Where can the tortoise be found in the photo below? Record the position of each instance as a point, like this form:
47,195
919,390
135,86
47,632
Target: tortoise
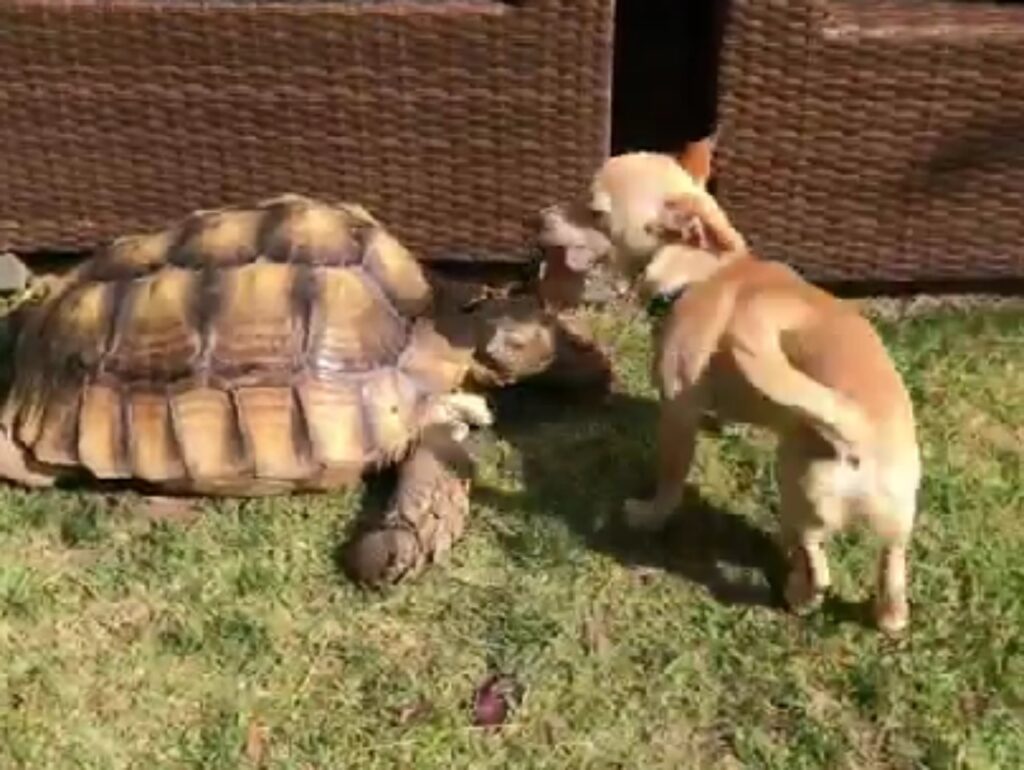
289,345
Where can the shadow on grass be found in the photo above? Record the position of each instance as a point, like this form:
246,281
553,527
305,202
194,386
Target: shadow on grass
581,457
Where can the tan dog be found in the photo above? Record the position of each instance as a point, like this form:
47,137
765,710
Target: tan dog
750,341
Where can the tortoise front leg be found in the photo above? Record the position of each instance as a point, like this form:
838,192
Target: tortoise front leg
457,412
426,514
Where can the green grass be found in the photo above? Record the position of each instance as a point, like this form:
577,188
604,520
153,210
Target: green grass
132,639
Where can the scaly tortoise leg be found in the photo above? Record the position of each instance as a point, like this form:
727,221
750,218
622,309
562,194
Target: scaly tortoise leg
426,514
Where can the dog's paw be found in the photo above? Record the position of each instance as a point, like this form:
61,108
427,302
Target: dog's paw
892,617
643,515
802,596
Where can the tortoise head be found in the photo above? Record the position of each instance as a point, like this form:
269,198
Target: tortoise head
516,338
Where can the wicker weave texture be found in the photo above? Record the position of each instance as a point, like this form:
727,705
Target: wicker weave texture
453,122
864,140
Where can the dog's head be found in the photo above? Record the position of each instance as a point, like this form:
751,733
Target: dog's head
636,203
674,268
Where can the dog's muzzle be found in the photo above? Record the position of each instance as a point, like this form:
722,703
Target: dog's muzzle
659,305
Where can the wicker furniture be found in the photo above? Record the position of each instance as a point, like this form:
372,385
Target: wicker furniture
878,140
454,121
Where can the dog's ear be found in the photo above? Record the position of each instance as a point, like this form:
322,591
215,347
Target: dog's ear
679,221
696,219
697,159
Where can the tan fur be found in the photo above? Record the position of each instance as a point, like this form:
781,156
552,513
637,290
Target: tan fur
697,159
753,343
750,341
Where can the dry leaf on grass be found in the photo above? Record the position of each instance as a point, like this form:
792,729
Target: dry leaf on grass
555,729
595,633
173,510
256,743
417,711
644,575
494,699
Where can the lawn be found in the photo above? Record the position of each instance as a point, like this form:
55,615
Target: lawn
143,635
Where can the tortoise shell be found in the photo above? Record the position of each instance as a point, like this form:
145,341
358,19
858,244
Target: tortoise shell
287,343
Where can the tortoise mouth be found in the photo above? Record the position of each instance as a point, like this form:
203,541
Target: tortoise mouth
552,349
515,334
515,337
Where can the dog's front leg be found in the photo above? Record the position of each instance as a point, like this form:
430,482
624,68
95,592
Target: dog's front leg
677,438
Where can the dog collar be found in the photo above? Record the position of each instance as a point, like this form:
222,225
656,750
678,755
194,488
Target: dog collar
661,303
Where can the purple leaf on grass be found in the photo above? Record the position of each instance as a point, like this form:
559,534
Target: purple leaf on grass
494,699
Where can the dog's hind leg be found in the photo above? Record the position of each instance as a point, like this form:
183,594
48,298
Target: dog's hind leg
892,610
808,579
812,507
891,516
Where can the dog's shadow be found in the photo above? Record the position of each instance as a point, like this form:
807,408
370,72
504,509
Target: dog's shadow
579,460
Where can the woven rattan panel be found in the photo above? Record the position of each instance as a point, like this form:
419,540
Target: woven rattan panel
454,122
879,141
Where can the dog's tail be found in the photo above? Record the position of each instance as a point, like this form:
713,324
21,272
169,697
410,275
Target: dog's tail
840,420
